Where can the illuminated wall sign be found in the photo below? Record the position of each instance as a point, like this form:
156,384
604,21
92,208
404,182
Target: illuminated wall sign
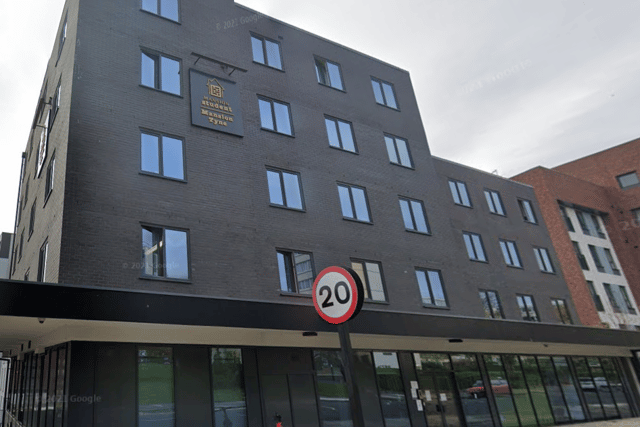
215,103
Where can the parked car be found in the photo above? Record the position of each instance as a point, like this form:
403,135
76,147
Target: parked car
497,386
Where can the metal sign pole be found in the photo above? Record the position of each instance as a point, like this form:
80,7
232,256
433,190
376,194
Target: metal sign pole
350,374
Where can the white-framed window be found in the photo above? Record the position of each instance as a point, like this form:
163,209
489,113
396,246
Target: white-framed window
296,271
370,273
384,93
166,8
475,248
165,253
494,202
544,261
510,253
340,134
328,73
266,52
459,193
162,155
353,201
414,215
160,72
431,288
526,208
398,151
285,189
275,116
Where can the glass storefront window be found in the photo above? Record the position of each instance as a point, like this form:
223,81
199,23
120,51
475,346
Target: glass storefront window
392,397
501,391
332,389
475,404
568,388
554,391
520,391
588,387
616,387
156,403
229,400
537,390
603,388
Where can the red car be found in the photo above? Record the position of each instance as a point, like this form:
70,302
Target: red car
497,386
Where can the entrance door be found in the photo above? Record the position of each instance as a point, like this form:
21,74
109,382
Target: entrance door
438,396
289,400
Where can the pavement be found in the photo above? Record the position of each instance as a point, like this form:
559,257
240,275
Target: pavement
628,422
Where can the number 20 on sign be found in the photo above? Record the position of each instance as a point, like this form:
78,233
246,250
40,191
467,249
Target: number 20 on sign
338,294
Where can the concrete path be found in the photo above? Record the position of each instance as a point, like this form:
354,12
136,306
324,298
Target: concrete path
628,422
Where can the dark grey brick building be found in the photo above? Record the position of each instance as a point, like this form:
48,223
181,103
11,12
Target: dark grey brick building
194,165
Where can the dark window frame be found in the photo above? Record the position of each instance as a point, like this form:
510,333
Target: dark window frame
137,377
538,252
425,272
627,300
50,178
385,102
163,261
263,41
55,104
582,260
611,297
489,196
42,261
597,300
525,215
457,183
484,258
291,275
62,37
337,122
325,62
160,148
624,187
414,222
556,303
395,140
492,310
529,317
567,220
508,244
612,262
367,283
156,57
283,194
596,259
32,219
353,206
271,102
159,12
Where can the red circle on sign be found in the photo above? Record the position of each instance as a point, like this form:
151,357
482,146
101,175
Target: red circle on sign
338,275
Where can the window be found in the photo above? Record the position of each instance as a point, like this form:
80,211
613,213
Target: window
398,151
459,193
156,394
21,245
562,311
596,258
165,8
62,36
370,272
26,275
328,73
612,262
491,305
583,223
615,305
597,227
165,253
594,295
581,258
285,189
275,116
544,261
55,103
510,253
353,201
413,215
384,93
630,308
227,380
42,262
26,195
628,180
160,72
266,52
48,188
635,213
296,272
431,288
567,220
162,155
527,211
474,245
340,134
527,308
32,219
494,202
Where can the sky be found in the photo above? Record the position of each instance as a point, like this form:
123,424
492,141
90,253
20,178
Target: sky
502,85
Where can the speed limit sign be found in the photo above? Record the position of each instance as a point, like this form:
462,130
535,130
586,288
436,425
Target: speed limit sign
338,294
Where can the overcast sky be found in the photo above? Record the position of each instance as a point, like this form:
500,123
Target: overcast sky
502,85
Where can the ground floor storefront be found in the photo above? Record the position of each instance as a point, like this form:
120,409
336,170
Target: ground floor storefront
119,358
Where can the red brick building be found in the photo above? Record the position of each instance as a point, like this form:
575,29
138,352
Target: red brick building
602,188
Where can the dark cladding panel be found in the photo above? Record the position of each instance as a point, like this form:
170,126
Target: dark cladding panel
252,387
215,103
82,362
368,389
193,387
115,385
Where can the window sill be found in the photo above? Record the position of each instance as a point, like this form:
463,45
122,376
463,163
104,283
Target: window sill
357,220
268,66
548,272
517,267
480,261
160,16
464,206
371,301
387,106
154,89
331,87
402,166
46,198
437,307
342,149
166,279
277,133
531,222
498,214
155,175
408,230
287,208
294,294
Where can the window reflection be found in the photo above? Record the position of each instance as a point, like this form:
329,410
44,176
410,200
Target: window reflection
229,401
332,390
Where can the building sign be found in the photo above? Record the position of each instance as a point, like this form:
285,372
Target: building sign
42,146
338,294
215,103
